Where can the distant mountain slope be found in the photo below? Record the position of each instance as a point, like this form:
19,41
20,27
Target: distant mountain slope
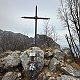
17,41
13,41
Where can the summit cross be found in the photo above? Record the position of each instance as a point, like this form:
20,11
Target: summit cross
35,18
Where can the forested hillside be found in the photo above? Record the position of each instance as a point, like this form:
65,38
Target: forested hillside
17,41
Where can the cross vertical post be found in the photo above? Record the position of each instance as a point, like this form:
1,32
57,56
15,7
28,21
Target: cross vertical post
36,17
35,25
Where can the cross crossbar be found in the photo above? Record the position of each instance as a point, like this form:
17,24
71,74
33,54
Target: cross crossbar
35,18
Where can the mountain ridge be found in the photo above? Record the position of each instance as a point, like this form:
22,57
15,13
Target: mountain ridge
17,41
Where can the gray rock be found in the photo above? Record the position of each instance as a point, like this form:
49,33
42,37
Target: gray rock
5,54
12,60
58,54
68,69
53,64
67,52
38,59
25,59
66,77
46,62
10,76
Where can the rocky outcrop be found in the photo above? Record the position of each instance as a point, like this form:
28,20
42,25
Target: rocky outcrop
10,61
68,69
39,60
66,77
49,65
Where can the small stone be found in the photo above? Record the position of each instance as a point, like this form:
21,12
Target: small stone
19,74
51,78
46,62
48,74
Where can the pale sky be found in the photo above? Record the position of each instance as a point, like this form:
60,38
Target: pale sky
11,12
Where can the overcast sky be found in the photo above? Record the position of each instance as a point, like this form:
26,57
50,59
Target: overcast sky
11,12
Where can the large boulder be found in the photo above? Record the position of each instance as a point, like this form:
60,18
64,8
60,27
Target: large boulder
68,69
53,64
67,77
9,61
38,60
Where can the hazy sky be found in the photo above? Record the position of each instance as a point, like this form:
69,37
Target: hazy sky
11,12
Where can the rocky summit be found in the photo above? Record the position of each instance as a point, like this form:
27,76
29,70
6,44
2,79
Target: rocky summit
37,64
38,61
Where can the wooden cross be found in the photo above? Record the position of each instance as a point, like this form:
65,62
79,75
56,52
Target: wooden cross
36,17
